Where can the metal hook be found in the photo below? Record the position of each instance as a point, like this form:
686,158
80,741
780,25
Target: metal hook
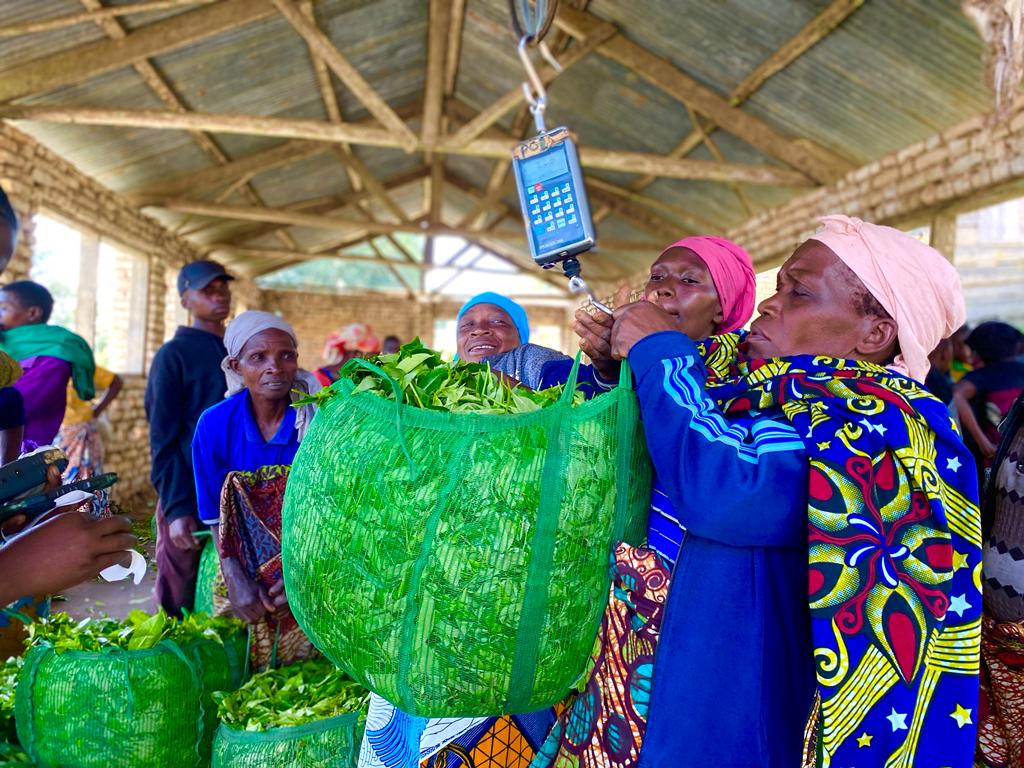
533,88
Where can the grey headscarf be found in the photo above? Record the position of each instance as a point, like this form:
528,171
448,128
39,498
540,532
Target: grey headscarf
237,335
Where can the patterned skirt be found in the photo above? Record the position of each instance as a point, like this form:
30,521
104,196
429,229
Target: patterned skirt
394,739
604,727
250,532
84,449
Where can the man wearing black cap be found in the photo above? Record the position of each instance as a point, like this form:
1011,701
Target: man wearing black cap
185,380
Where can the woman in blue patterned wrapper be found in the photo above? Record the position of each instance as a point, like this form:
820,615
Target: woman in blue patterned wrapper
832,530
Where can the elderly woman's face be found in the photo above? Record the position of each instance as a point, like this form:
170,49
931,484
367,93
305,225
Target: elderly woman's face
681,285
268,364
813,311
485,330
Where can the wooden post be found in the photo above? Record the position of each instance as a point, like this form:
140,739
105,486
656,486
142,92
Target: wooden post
943,235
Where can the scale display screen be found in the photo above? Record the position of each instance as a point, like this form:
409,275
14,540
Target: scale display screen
556,214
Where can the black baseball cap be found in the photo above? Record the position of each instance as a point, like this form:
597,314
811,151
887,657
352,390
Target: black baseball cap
199,274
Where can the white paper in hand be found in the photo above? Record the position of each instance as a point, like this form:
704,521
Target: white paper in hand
136,569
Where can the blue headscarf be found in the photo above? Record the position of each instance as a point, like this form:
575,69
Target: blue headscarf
512,309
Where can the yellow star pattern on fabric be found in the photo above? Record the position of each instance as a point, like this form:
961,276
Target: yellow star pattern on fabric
864,740
961,715
959,561
825,446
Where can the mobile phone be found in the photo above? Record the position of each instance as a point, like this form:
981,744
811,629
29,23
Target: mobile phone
27,475
38,504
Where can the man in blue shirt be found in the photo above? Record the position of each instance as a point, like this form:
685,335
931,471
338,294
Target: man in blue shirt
184,380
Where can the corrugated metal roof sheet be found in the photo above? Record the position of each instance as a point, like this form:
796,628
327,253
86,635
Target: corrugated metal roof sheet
891,74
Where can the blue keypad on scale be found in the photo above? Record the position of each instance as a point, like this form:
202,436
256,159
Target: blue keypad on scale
553,213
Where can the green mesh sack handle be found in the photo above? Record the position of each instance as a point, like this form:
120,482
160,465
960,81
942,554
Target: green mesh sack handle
206,579
221,666
456,563
130,709
330,743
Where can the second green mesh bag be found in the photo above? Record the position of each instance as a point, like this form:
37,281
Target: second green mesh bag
206,579
457,563
330,743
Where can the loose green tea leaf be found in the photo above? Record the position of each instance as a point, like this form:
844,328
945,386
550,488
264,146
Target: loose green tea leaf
427,381
137,632
289,696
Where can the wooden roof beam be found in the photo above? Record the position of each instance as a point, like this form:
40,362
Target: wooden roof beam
816,30
73,19
438,30
596,36
348,74
811,34
330,99
818,163
337,223
684,217
166,93
214,177
328,205
646,163
359,175
453,50
613,160
85,62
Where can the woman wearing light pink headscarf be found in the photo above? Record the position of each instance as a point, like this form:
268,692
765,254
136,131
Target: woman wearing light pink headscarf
829,514
352,340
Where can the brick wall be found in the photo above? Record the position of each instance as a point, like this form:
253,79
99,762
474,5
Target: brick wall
36,180
972,164
315,315
127,446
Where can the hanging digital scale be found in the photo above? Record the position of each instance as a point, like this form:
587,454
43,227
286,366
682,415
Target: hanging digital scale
553,197
550,184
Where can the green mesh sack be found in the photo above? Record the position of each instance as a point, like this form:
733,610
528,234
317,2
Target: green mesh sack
457,563
221,667
330,743
130,709
150,707
206,578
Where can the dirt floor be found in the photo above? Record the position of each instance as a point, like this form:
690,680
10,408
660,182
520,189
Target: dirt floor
116,599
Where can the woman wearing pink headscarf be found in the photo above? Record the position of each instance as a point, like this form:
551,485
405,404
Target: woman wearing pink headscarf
352,340
707,286
832,545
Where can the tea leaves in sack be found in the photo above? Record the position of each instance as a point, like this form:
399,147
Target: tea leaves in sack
305,715
11,752
455,561
101,693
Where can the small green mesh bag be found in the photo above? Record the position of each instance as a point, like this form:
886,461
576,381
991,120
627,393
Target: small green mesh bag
330,743
137,709
206,578
457,563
